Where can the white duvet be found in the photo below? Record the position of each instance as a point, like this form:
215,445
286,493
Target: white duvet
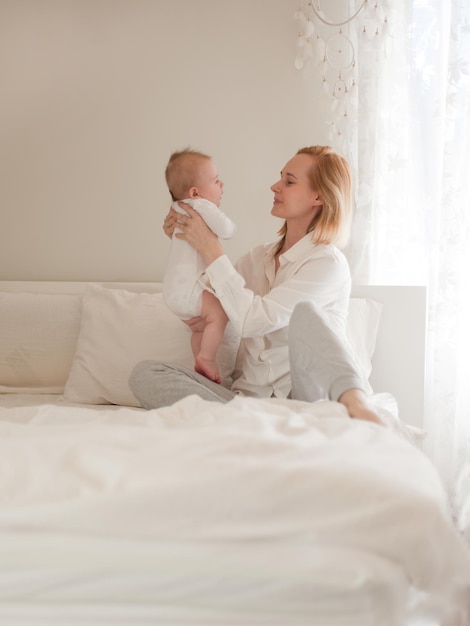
248,472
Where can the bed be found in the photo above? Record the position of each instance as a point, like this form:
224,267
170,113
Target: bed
254,512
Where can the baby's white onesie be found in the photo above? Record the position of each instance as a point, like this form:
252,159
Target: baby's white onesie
181,286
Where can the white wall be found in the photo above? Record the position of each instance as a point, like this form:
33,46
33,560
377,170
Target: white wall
96,94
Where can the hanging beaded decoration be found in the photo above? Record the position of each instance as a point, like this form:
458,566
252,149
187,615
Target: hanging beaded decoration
333,46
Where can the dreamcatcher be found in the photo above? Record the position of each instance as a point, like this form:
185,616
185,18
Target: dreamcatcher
335,45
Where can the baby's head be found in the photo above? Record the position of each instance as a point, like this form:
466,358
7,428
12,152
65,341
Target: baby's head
192,174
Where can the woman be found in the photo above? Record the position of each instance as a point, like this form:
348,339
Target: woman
304,267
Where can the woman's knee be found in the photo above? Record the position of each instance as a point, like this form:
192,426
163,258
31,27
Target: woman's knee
143,370
302,320
152,384
305,311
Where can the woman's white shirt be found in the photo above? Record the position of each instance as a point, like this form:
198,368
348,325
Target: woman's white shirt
259,303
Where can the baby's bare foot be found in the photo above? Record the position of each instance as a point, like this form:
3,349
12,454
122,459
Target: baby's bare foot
207,368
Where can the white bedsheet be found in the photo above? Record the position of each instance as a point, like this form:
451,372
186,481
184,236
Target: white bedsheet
272,498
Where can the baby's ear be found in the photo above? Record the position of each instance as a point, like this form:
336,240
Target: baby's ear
193,192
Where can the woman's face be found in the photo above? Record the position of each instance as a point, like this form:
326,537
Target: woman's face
294,198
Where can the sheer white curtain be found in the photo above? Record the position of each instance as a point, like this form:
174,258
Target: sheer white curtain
410,146
400,112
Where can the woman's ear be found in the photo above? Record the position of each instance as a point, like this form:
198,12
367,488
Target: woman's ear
317,201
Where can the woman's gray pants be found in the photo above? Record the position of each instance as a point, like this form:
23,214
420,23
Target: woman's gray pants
321,367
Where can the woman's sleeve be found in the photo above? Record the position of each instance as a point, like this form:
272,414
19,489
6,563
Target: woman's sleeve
318,279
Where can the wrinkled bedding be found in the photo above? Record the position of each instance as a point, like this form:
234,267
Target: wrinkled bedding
262,500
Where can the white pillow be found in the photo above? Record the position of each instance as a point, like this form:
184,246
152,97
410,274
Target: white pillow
361,329
38,335
118,330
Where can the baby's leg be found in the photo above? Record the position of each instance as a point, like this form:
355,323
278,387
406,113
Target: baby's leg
196,339
211,337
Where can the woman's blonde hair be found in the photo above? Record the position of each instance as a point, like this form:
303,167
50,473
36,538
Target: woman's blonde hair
330,175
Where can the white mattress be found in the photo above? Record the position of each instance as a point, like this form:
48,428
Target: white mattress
254,512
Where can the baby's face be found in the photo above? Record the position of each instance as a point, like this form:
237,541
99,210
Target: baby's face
209,184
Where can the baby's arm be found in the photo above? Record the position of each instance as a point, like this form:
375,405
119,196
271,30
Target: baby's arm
218,222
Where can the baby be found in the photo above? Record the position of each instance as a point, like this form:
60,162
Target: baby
192,178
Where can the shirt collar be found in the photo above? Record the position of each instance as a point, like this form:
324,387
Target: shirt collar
297,251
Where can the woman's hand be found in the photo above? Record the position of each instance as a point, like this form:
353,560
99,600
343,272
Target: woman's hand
196,324
169,222
195,231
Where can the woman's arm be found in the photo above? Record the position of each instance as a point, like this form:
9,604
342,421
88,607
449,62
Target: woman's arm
323,279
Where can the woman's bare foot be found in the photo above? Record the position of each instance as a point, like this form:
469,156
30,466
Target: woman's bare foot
207,368
355,401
